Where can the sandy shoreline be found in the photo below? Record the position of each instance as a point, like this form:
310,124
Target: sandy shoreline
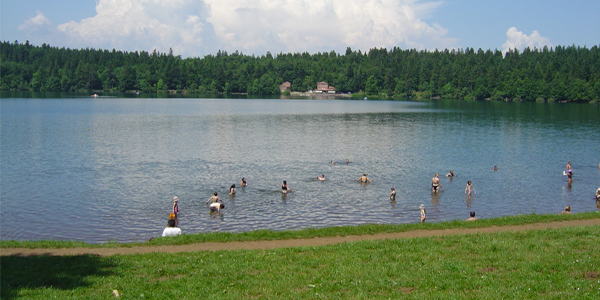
312,242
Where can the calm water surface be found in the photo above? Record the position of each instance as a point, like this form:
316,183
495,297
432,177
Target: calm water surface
107,169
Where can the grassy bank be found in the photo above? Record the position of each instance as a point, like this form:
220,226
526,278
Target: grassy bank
539,264
309,233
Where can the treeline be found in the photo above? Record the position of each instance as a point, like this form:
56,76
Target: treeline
549,74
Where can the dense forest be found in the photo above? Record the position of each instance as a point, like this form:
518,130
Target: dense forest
549,74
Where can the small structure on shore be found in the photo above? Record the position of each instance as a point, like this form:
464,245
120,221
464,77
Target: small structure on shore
323,87
286,86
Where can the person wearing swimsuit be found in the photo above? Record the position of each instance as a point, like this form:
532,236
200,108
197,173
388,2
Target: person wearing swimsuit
232,189
364,179
214,204
469,187
436,184
244,183
423,212
284,187
175,209
393,195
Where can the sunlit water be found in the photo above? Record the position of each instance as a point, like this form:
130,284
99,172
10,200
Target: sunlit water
107,169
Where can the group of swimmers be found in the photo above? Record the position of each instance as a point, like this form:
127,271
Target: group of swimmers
215,203
436,184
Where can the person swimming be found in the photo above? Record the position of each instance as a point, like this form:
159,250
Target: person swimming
322,177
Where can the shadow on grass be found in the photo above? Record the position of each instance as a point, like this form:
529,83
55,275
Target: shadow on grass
50,272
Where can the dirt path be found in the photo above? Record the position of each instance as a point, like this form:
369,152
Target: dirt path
319,241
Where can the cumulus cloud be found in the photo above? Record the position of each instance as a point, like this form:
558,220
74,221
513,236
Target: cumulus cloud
197,28
35,23
320,25
516,39
143,25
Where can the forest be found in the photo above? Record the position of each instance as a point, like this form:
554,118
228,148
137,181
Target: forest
557,74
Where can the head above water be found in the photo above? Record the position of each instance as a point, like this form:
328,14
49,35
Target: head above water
472,213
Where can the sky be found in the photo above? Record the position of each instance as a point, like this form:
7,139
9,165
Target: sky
196,28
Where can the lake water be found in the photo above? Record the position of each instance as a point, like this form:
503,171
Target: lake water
105,169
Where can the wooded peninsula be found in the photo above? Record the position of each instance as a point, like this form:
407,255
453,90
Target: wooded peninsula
558,74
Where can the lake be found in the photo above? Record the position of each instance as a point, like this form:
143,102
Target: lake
107,169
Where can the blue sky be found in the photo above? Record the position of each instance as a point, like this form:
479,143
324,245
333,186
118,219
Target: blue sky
195,28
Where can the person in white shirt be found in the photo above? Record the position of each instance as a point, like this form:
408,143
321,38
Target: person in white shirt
171,230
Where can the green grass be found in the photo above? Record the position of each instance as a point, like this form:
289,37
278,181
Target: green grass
308,233
550,264
538,264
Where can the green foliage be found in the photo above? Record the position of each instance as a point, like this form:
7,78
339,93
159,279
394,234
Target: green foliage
560,74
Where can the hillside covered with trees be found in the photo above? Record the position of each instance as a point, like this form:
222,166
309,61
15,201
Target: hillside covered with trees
549,74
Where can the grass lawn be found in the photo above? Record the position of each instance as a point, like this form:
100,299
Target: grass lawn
538,264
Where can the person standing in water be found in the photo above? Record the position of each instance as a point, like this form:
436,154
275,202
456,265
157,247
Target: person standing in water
364,179
570,177
213,203
232,189
393,195
175,209
244,183
322,177
568,167
469,187
423,212
450,174
285,188
435,183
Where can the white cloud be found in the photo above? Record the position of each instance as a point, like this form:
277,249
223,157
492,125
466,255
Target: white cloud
197,28
516,39
35,23
142,25
320,25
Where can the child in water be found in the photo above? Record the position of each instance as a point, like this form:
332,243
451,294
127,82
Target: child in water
393,195
175,209
423,212
469,187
